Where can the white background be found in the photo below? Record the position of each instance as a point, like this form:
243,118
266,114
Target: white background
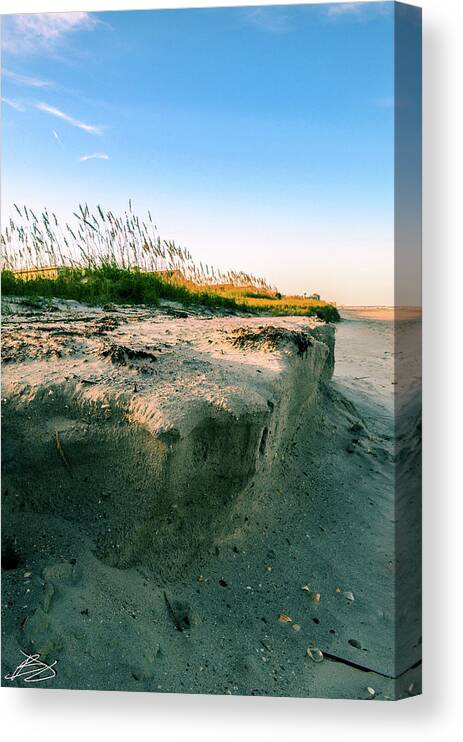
83,716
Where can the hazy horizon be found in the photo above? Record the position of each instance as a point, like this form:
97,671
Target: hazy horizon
260,138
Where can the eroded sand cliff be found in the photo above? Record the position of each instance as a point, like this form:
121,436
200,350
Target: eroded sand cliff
170,485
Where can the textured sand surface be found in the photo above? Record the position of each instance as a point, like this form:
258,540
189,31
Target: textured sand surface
190,502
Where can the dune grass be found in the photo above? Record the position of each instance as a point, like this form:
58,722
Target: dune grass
111,284
104,259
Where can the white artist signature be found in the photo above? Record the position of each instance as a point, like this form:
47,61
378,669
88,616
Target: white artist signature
32,669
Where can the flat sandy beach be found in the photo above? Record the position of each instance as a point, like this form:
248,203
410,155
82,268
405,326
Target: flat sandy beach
386,314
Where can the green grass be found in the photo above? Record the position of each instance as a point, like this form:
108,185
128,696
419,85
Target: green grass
102,258
111,284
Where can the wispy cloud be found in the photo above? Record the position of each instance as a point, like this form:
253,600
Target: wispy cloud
56,136
38,31
26,80
337,10
90,128
95,156
271,20
17,105
359,11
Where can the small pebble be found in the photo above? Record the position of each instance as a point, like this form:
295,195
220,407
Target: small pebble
371,691
316,655
296,627
284,618
349,595
27,574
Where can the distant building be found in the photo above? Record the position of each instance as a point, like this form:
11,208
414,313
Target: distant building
28,274
314,296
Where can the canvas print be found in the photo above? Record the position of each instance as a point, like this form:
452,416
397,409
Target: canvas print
211,328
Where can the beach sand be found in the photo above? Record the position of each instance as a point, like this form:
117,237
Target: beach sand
229,585
385,314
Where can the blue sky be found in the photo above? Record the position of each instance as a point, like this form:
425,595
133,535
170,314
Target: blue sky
260,138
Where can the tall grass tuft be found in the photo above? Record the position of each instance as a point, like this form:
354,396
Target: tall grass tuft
100,257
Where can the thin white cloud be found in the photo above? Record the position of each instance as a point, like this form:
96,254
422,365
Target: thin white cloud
271,20
90,128
14,104
38,31
95,156
26,80
342,9
57,137
359,11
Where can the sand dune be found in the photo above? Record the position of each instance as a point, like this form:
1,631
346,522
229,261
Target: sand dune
191,502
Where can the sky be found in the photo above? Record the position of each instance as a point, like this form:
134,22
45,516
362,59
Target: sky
260,138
